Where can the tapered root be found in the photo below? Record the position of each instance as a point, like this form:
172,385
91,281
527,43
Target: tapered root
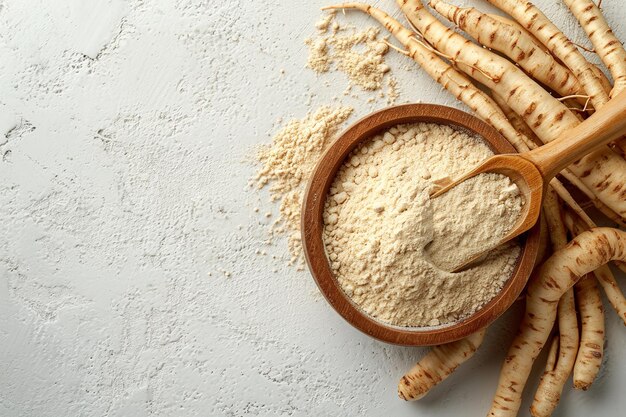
605,43
514,43
531,18
603,274
559,273
553,380
437,365
591,349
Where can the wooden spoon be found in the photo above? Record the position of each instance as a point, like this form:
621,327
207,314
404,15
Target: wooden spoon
533,170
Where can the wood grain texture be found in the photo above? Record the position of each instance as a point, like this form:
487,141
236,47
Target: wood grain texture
312,227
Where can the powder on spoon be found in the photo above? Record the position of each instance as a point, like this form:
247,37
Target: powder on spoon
379,219
472,218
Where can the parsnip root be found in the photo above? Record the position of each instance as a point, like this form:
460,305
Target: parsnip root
545,115
605,43
514,43
531,18
556,227
604,275
518,123
560,272
553,380
591,349
611,289
437,365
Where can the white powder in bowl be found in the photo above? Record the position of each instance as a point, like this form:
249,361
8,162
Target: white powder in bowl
379,219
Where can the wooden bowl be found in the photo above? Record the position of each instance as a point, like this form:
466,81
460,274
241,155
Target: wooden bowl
312,227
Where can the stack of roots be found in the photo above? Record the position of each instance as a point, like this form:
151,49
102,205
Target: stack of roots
524,77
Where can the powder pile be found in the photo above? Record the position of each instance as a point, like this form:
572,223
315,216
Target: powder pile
486,208
288,162
360,55
379,219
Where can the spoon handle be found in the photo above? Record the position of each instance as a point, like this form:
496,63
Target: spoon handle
602,127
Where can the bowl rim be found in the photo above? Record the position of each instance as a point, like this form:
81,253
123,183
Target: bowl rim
312,227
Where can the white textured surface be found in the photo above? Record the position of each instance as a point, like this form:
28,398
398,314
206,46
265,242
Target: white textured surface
124,129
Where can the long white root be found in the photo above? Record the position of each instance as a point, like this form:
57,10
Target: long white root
514,43
605,277
437,365
531,18
558,370
605,43
560,272
553,380
518,123
452,80
608,48
591,349
611,289
542,112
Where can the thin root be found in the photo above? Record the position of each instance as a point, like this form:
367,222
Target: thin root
452,60
583,47
394,47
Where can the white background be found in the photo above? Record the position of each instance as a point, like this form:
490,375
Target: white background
126,130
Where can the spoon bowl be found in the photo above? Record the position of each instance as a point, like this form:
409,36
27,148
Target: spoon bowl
530,183
532,171
312,228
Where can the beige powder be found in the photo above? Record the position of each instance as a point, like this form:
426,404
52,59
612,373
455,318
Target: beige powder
288,162
379,219
359,54
326,21
319,60
472,218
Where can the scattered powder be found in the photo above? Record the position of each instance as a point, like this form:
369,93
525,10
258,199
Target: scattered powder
392,90
359,54
484,209
379,219
325,22
319,60
287,164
